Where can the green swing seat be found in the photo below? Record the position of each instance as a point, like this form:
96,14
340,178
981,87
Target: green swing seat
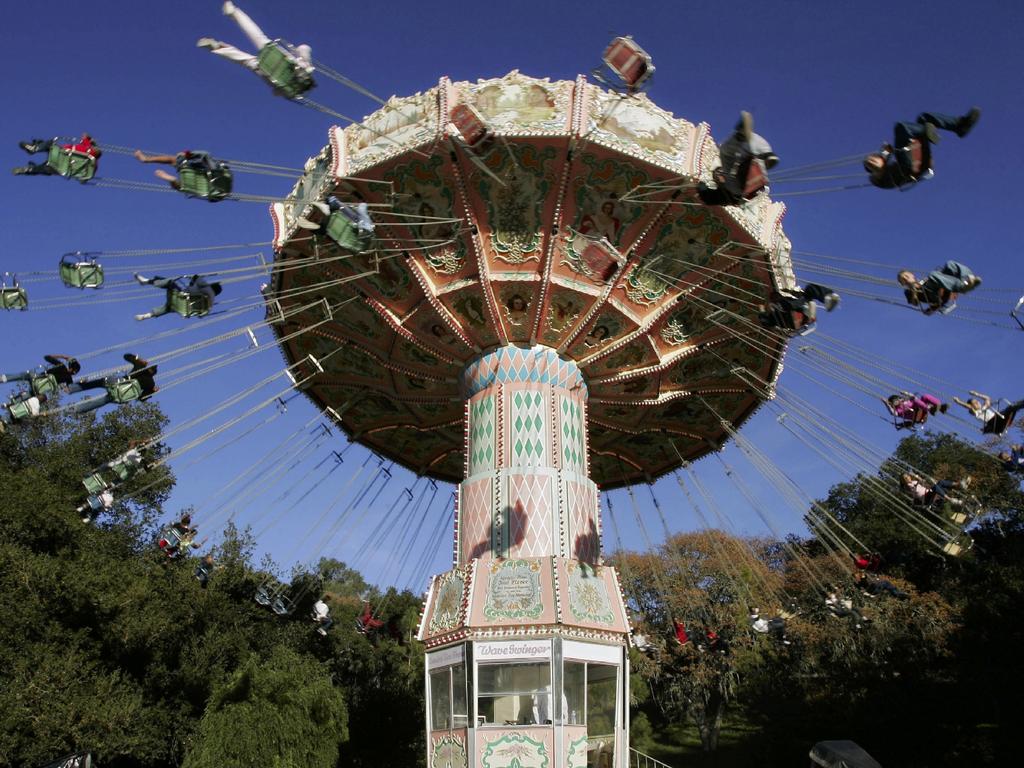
44,384
210,180
345,232
13,297
124,390
19,410
123,469
278,66
80,274
95,484
71,164
189,304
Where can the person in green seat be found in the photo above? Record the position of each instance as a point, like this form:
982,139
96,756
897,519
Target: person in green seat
200,162
141,373
62,367
196,287
20,408
84,145
301,57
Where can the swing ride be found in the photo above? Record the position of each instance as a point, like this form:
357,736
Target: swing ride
512,285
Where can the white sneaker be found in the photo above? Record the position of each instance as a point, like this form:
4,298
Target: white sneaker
831,302
208,42
324,208
305,223
144,316
228,8
141,280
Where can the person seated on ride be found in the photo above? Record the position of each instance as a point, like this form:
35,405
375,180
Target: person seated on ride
713,643
62,369
745,160
204,570
84,146
939,290
321,615
873,586
20,408
842,607
366,623
679,632
993,422
1013,459
922,494
356,230
198,291
910,410
910,160
179,537
138,384
94,504
641,643
189,160
288,71
758,624
867,562
797,310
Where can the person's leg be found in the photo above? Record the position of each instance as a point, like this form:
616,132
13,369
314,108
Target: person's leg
20,376
953,123
35,146
236,54
89,384
35,169
816,292
247,25
91,403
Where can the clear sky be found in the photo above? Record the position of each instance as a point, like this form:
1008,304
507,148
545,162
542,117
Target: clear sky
823,79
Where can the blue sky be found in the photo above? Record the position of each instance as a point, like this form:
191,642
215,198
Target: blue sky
824,80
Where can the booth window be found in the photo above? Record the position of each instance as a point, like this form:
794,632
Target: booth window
448,703
514,694
590,690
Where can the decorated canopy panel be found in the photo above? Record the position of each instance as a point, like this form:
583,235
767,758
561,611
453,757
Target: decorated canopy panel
572,223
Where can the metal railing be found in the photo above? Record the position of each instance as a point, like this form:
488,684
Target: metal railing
638,759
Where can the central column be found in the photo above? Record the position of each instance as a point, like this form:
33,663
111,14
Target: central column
527,634
527,492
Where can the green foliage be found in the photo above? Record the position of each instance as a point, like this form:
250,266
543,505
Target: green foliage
107,647
280,711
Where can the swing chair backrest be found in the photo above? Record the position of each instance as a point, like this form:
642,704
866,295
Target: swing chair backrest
172,536
81,274
44,385
71,164
189,304
471,126
628,61
124,390
19,409
95,484
601,259
210,181
345,232
756,179
13,297
278,66
123,469
265,593
283,604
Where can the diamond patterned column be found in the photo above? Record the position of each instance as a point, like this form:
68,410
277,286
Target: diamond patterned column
526,443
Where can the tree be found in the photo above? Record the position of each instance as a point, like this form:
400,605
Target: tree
282,710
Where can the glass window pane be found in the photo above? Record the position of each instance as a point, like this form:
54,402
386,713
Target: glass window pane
460,705
574,682
511,694
440,699
601,691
